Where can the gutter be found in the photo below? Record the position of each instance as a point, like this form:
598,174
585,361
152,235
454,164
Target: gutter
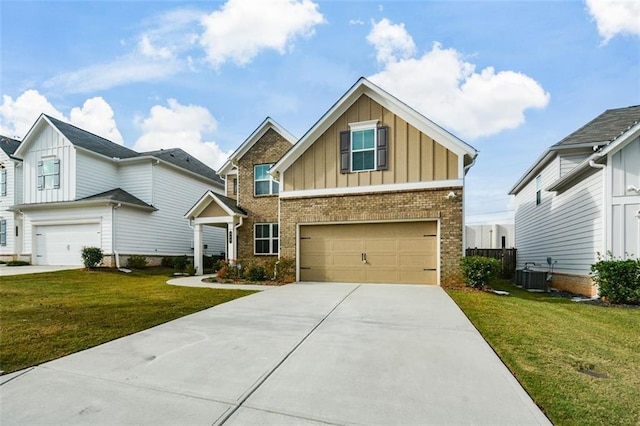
114,250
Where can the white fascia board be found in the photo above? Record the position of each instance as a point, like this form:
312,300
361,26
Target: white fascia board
76,204
537,166
267,124
204,202
388,101
622,140
34,129
373,188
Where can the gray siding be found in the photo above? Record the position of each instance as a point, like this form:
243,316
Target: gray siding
569,161
567,226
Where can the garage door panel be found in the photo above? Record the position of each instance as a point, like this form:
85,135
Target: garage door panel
404,252
63,244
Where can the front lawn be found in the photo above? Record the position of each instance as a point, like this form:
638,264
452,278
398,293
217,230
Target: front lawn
46,316
580,363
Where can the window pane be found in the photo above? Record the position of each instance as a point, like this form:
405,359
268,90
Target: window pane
47,167
275,230
262,188
274,246
368,139
367,160
48,181
262,231
260,172
357,140
275,187
262,246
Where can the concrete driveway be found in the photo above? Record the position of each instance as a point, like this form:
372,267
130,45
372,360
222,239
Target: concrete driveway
6,271
298,354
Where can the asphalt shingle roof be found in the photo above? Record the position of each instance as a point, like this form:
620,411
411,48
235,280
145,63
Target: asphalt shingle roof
232,204
604,128
8,145
100,145
118,195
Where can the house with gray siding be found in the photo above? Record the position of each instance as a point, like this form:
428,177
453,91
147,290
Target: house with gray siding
581,200
79,189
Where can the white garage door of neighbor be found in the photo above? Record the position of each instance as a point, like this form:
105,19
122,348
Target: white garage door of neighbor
403,252
62,244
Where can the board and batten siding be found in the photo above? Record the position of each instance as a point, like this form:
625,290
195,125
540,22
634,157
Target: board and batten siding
413,156
135,178
625,203
567,226
94,175
49,143
166,232
68,216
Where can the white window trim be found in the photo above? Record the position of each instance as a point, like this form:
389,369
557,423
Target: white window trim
538,190
361,126
53,159
270,179
270,239
3,232
3,181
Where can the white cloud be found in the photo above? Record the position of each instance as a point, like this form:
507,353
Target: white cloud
181,126
392,42
17,116
356,21
242,28
615,17
96,116
147,49
447,89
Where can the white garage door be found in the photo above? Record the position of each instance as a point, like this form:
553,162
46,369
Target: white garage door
62,244
403,253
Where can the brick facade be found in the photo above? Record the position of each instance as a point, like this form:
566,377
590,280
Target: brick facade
387,206
262,209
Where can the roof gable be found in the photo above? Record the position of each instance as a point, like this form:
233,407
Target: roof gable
388,101
8,145
260,131
227,204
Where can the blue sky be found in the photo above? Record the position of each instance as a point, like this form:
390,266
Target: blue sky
509,78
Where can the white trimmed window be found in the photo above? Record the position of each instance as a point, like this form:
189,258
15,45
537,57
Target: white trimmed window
266,238
49,173
364,147
263,182
538,190
3,232
3,181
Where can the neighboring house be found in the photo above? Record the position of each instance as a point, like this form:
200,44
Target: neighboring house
495,235
10,194
82,190
373,192
581,198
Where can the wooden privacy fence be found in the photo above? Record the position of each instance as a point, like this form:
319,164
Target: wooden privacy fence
506,256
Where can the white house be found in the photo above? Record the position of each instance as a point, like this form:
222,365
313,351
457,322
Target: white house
490,236
10,194
581,198
81,190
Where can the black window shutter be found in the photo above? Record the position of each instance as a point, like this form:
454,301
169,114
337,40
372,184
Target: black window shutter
40,176
56,171
345,151
383,149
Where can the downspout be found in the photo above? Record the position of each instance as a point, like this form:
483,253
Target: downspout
114,249
595,165
464,201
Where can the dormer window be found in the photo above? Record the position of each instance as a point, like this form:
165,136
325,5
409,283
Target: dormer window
263,182
49,173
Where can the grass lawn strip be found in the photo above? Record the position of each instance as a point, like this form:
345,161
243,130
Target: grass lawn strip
580,363
46,316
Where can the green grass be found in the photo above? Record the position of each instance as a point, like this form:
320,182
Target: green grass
546,341
46,316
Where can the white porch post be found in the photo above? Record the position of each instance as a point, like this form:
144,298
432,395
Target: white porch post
231,237
197,248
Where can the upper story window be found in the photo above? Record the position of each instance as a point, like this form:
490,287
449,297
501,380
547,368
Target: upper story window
263,182
3,181
538,189
364,147
49,173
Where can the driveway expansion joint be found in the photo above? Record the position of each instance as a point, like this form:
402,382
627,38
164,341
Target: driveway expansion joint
227,415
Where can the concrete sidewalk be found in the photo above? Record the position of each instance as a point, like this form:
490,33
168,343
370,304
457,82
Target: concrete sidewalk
6,271
298,354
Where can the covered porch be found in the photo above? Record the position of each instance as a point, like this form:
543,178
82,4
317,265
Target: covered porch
215,210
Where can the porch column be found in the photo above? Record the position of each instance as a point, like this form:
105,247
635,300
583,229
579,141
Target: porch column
231,237
197,248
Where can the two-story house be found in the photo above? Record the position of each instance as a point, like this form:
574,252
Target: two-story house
581,198
80,190
373,192
10,194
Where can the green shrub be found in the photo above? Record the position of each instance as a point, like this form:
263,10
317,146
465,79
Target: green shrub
285,270
230,271
17,263
478,270
255,272
190,269
137,262
91,257
618,279
167,262
180,263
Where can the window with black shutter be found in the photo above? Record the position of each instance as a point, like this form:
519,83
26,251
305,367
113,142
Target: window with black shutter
364,148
